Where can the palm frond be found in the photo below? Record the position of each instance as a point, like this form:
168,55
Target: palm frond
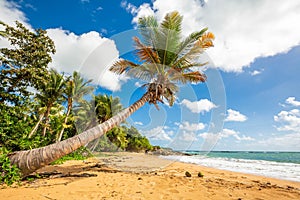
189,41
172,21
144,72
206,40
194,77
188,65
147,27
145,53
3,34
169,37
193,50
122,66
188,57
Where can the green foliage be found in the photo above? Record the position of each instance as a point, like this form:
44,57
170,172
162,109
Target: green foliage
23,69
14,128
9,173
137,142
25,65
118,136
165,58
36,103
80,154
106,106
122,138
103,144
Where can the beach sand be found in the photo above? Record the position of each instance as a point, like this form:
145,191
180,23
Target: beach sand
141,176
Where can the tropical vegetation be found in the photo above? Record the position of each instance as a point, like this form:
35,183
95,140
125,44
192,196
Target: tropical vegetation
43,110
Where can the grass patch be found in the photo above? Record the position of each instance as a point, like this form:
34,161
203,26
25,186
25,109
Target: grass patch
80,154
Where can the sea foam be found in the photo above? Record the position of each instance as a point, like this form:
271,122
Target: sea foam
285,171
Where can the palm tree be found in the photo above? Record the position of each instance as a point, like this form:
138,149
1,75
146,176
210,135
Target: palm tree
106,107
76,88
49,92
166,59
84,115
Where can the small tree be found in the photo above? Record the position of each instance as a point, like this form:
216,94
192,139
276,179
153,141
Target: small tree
23,68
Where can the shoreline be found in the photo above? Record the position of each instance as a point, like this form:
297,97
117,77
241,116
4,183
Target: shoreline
258,167
140,176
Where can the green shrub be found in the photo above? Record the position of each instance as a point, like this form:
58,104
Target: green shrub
80,154
9,173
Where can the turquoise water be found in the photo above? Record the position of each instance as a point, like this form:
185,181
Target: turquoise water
286,157
281,165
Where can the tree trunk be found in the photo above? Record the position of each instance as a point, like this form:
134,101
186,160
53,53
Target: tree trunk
32,160
47,119
36,126
65,121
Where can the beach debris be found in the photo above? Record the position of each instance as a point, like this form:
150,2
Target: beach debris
140,178
188,174
200,175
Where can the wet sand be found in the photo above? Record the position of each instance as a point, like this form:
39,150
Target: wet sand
141,176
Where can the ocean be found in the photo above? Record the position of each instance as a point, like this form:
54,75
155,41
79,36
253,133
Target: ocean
281,165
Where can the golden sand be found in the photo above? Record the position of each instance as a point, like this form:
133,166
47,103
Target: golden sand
139,176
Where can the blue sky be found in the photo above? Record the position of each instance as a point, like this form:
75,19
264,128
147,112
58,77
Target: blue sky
251,100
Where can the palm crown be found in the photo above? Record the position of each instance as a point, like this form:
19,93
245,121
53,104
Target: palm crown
166,58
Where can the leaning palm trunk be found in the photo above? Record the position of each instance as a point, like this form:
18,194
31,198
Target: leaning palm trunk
32,160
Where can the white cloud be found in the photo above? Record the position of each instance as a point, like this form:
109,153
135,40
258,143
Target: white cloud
187,137
142,11
292,101
139,123
228,132
88,53
244,30
85,1
99,8
290,120
158,133
191,127
225,133
285,142
201,106
9,13
255,72
138,12
235,116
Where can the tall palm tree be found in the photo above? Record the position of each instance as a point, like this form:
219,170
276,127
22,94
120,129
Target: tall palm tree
50,92
76,88
166,59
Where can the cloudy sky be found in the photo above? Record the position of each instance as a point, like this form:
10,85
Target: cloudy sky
251,100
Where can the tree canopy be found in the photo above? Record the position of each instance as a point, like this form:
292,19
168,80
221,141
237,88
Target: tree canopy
166,58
